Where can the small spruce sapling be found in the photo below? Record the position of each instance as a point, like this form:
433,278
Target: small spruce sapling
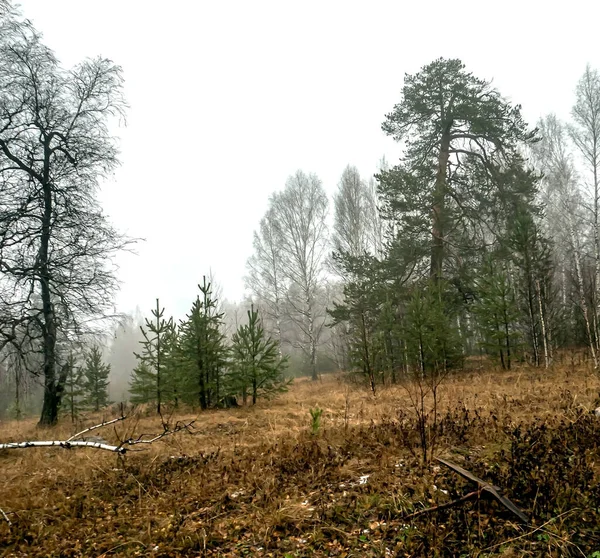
74,394
315,420
95,382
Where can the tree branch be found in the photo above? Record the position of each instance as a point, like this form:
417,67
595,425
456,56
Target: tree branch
121,448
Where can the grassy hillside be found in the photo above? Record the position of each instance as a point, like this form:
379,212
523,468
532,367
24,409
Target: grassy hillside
257,482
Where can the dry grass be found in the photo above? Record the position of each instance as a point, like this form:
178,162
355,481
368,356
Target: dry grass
253,481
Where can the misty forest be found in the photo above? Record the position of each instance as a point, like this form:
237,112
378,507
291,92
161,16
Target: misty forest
413,371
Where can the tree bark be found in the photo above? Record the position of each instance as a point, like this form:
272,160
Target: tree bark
52,388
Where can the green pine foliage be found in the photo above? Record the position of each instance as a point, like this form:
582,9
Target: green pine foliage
463,143
74,394
202,353
142,386
257,365
361,311
95,379
433,345
497,313
459,192
152,381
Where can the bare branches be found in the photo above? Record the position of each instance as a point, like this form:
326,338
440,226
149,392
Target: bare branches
465,498
57,248
142,438
484,488
123,447
102,424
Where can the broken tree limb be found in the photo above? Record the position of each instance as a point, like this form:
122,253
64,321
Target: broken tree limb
121,448
5,517
494,491
63,444
465,498
96,426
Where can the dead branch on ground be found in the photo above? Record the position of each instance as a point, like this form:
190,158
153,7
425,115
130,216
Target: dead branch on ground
97,443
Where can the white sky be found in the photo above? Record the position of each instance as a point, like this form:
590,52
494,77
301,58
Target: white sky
228,98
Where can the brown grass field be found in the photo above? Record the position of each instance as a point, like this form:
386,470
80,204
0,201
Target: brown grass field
257,482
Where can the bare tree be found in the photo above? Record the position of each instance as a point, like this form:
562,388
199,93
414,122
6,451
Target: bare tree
585,134
564,206
300,213
265,277
355,215
56,246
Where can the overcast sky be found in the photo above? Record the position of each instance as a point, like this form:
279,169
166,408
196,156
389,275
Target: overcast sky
230,98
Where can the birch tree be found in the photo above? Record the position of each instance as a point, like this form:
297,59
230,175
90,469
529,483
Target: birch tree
585,133
564,198
355,225
300,212
265,277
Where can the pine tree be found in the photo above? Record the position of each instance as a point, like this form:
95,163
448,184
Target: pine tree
202,350
74,394
95,374
360,310
158,334
432,342
433,347
142,386
497,313
257,364
460,136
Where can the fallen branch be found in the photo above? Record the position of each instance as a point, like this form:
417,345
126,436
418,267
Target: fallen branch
487,488
96,426
179,426
5,517
67,444
465,498
121,448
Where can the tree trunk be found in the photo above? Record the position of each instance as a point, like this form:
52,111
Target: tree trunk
596,241
506,337
311,337
158,359
438,209
543,322
201,383
52,388
581,289
366,356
